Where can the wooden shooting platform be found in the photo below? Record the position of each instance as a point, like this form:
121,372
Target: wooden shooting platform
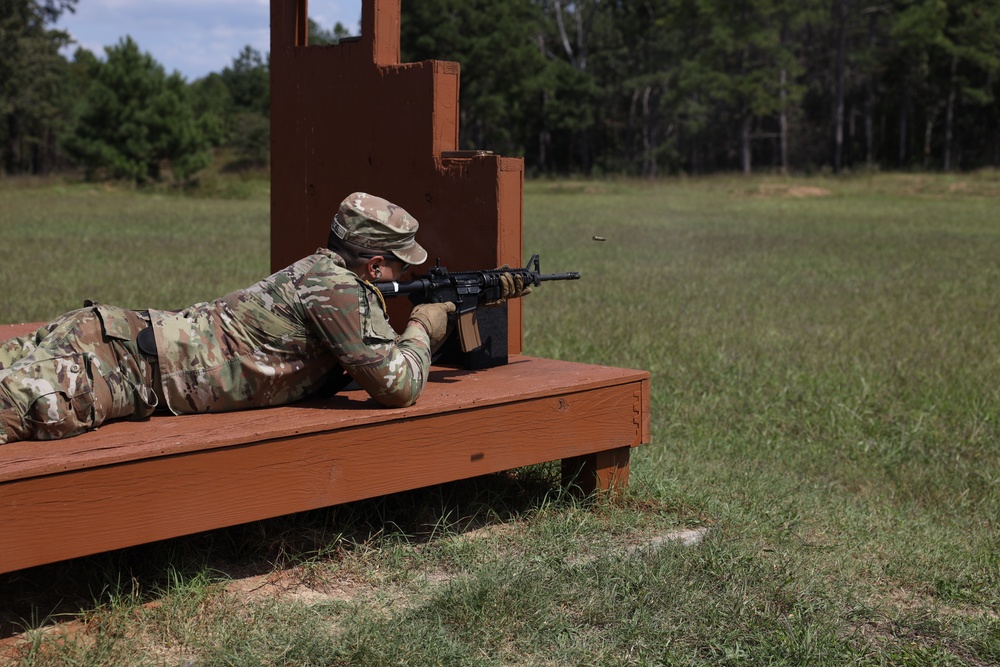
344,118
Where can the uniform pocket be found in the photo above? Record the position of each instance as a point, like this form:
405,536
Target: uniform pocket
61,404
374,322
115,322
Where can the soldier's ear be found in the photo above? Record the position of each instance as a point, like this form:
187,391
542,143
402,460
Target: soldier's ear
374,266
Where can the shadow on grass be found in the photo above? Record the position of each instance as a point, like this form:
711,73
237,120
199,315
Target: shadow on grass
45,595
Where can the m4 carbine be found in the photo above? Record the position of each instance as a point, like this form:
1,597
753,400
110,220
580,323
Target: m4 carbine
482,332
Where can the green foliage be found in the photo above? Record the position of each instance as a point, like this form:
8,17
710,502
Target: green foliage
248,81
319,36
212,105
34,81
235,105
646,86
639,87
136,118
501,64
919,25
972,40
252,139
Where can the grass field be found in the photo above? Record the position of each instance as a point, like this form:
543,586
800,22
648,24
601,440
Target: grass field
824,357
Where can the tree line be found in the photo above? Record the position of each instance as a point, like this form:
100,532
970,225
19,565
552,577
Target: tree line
123,117
638,87
649,87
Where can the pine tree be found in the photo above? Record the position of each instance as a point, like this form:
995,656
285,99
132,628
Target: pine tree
136,118
500,63
33,76
972,58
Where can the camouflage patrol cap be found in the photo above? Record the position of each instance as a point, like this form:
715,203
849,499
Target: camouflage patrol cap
378,225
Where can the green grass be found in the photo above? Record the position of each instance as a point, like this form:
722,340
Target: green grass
824,403
64,243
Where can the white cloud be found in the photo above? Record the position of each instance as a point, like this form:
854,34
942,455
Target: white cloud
195,37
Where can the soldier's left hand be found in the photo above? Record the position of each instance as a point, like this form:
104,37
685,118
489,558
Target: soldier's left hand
511,287
434,318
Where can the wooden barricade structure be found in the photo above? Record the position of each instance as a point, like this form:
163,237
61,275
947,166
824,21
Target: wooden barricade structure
351,117
344,118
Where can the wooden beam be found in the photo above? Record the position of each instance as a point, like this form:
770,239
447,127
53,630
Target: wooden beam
133,482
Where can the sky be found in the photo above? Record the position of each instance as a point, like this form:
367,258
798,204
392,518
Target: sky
194,37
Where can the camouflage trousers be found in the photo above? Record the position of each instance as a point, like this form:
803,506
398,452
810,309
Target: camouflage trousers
74,374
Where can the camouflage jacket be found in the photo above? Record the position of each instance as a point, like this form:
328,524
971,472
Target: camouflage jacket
281,339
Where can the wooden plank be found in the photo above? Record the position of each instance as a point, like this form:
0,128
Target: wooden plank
448,390
15,330
58,516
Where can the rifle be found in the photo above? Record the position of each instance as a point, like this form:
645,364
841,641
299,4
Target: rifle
469,290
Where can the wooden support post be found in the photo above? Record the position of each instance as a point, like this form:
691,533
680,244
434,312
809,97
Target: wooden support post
380,27
605,471
289,24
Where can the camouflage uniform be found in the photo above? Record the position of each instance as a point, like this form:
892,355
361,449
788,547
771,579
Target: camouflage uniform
73,374
279,340
269,344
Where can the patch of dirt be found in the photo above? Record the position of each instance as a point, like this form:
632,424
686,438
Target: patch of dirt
791,191
808,191
296,584
649,544
313,584
308,585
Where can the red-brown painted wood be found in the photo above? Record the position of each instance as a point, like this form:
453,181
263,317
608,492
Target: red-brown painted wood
352,117
135,482
448,389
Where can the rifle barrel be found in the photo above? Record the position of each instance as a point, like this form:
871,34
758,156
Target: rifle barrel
572,275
